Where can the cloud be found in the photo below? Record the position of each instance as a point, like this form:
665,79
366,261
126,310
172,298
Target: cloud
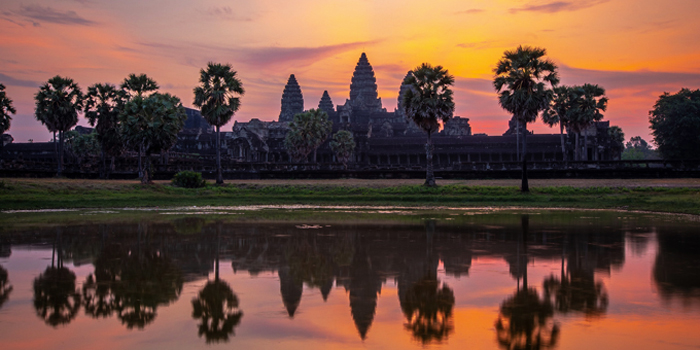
225,13
259,57
470,12
639,80
558,6
294,56
10,81
38,14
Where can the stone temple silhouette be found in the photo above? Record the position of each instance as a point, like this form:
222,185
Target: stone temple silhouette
384,138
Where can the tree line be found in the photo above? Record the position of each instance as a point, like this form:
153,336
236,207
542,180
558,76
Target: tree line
136,117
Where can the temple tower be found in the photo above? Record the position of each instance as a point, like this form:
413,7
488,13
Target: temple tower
292,100
402,91
326,104
363,87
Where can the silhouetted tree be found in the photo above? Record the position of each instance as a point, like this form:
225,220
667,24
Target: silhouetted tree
522,81
6,109
219,98
103,103
57,105
153,123
428,101
675,124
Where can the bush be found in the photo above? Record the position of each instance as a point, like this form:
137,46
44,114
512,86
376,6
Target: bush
189,179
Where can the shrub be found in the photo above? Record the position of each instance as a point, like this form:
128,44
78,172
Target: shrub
189,179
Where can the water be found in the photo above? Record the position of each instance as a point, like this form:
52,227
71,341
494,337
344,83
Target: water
346,278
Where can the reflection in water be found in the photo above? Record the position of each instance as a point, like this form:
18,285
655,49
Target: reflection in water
56,299
216,305
131,281
5,287
525,321
141,268
426,305
677,265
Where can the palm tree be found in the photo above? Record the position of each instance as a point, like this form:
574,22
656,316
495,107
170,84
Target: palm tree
5,286
587,102
133,86
6,109
521,79
428,101
57,105
558,113
219,98
138,85
102,106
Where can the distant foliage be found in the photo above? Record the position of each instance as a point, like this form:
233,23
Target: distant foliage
617,139
83,145
638,149
675,124
307,132
343,144
189,179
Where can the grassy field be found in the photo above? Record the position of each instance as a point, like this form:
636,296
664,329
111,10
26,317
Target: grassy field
673,195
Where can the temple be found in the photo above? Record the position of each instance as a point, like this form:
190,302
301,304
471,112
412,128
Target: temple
385,139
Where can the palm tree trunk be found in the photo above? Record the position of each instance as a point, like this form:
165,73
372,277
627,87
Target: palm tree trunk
429,176
585,146
517,140
524,186
576,148
219,176
103,158
218,243
561,134
315,161
140,164
146,178
60,154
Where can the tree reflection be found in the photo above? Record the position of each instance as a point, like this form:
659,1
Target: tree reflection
525,321
56,299
426,304
428,310
5,287
216,306
131,283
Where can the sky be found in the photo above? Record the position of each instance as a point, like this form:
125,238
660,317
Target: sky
635,49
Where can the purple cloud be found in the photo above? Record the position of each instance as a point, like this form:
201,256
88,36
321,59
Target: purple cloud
38,14
10,81
558,6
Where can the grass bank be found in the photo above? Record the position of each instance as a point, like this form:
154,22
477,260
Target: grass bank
18,194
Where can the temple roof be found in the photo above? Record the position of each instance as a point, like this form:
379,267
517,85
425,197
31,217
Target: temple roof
292,100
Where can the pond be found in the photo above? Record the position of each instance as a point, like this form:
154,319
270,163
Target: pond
348,278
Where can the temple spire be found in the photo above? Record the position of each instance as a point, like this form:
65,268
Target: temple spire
292,100
326,104
363,87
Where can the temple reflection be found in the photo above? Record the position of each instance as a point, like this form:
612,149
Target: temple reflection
140,268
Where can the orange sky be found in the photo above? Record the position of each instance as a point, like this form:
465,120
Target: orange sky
636,49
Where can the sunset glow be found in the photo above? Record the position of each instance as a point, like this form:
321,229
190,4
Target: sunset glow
635,49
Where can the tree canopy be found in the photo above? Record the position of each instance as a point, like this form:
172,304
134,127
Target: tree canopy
138,85
675,124
343,144
307,131
103,103
6,109
152,122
